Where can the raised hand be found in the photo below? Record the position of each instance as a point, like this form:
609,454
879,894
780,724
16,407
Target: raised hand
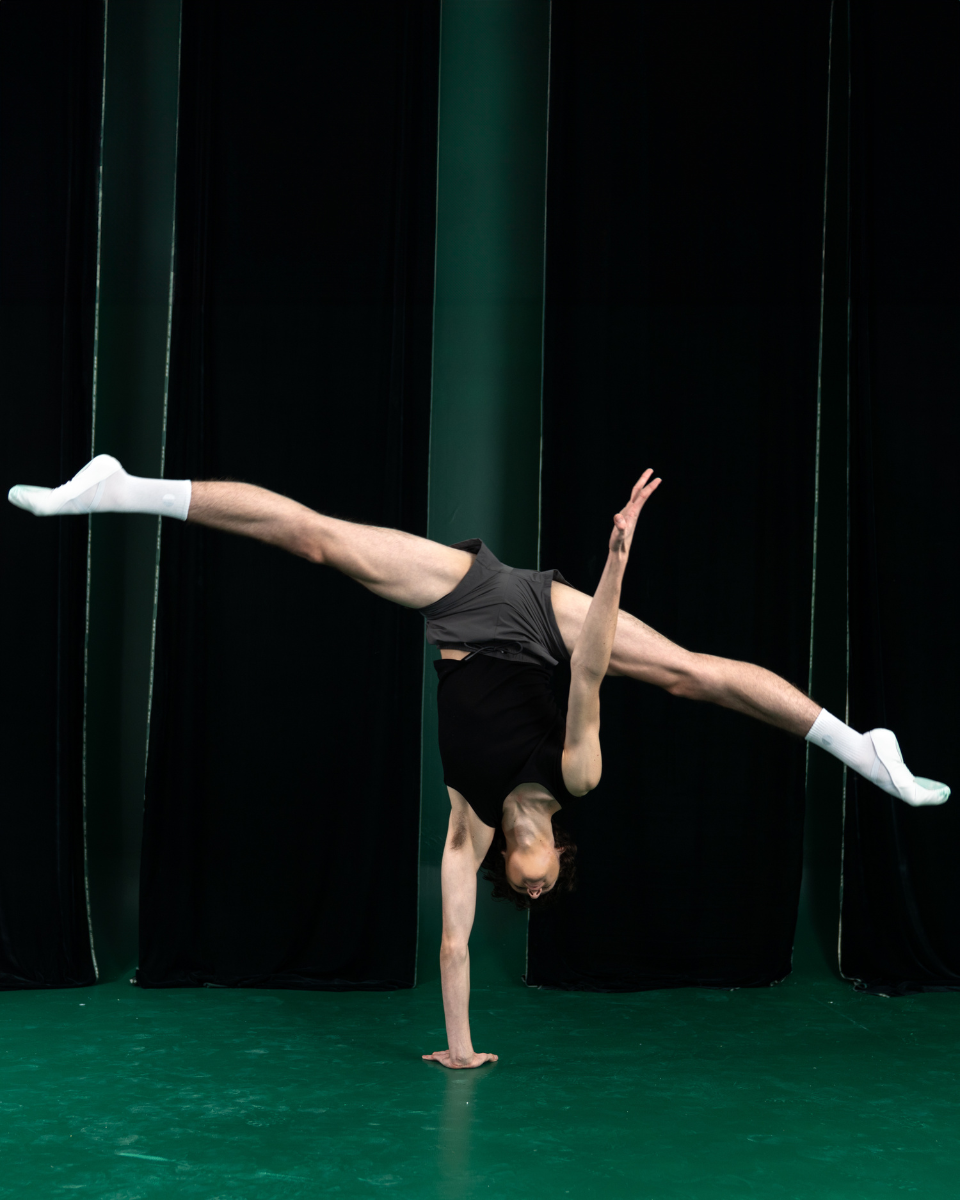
625,522
445,1059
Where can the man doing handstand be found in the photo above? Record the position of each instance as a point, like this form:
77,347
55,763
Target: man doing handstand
511,758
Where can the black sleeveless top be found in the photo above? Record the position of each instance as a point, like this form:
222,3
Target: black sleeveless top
500,725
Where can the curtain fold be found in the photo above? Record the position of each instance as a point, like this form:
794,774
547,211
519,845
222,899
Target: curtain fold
281,826
901,894
684,234
51,68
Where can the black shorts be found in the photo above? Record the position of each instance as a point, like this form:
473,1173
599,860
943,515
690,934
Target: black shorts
498,610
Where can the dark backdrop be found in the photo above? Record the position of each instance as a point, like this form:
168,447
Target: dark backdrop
281,826
684,226
901,891
51,65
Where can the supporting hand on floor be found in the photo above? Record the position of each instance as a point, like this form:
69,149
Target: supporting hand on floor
445,1059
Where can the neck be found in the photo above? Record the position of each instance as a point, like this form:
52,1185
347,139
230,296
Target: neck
526,817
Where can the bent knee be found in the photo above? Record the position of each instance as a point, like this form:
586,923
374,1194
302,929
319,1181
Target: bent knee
692,679
307,538
312,551
685,686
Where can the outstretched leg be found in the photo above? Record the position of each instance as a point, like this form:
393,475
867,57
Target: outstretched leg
410,570
641,653
416,572
399,566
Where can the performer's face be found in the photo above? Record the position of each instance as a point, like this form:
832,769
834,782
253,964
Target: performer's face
533,871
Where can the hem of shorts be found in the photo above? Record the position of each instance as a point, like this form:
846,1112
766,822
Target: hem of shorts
438,607
490,649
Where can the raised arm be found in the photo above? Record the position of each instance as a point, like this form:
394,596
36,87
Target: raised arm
468,841
582,762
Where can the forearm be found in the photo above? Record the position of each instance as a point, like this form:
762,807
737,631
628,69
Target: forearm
455,982
591,654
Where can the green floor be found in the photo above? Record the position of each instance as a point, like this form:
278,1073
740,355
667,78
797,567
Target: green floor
804,1090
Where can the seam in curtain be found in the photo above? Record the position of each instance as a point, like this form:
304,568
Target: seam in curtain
543,348
93,440
816,460
846,598
543,285
166,398
433,362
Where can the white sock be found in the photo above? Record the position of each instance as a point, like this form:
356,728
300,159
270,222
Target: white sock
104,486
876,756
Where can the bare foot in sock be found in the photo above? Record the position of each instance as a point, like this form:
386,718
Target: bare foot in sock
104,486
876,756
895,777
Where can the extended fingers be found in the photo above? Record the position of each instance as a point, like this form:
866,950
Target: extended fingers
644,487
641,483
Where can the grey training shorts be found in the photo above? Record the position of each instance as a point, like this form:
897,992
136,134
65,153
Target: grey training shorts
498,610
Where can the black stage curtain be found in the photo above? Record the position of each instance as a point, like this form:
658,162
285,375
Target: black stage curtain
51,66
901,889
684,225
281,826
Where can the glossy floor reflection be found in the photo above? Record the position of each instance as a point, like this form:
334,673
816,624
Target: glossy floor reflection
807,1090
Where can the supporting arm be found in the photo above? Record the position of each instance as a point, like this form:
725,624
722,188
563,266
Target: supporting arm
467,843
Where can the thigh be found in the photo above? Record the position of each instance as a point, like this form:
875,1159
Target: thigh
638,650
409,570
399,566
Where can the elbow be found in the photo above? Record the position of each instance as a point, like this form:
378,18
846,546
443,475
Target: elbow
583,781
453,952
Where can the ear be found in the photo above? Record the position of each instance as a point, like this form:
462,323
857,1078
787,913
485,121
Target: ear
559,849
504,853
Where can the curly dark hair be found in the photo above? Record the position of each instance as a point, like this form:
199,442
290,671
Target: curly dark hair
494,868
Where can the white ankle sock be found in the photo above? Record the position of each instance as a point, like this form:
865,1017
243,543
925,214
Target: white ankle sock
876,756
104,486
